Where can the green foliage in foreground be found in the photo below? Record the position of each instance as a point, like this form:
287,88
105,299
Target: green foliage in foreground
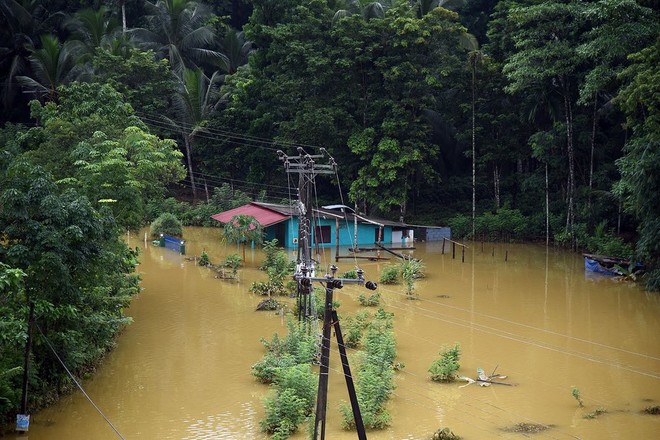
375,374
13,313
287,365
444,368
78,274
291,402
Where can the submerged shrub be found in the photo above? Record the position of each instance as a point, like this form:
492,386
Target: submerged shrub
166,223
389,275
291,402
354,328
375,374
372,300
287,364
411,269
445,367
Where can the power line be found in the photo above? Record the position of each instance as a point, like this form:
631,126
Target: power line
518,338
78,384
218,134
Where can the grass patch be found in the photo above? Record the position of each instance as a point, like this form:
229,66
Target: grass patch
595,413
527,428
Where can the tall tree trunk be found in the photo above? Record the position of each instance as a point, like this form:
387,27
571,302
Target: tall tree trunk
570,214
593,143
188,143
474,147
496,186
122,3
547,207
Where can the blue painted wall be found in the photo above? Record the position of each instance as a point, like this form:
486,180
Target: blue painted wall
288,230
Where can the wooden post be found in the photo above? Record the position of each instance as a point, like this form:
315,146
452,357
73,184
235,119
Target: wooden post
337,239
443,245
463,254
357,416
506,256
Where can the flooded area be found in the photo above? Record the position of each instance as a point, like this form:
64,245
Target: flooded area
181,370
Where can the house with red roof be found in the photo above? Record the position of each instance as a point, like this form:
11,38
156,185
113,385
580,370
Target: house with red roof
331,224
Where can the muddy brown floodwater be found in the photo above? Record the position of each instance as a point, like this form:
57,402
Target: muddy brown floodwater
181,370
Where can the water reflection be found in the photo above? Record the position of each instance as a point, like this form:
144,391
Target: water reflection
182,369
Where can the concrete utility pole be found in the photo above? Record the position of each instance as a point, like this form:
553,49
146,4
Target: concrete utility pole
304,164
307,169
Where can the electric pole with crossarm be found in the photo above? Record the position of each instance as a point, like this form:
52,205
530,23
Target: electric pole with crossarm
307,168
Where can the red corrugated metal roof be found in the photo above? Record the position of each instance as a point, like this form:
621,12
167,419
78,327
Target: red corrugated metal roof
265,216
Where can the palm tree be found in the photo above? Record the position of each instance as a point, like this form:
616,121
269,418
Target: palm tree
92,29
21,22
243,229
179,30
195,99
236,49
368,9
51,66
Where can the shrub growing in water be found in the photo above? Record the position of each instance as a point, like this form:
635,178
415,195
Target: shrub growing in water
389,275
372,300
298,347
375,374
166,223
291,402
445,367
411,269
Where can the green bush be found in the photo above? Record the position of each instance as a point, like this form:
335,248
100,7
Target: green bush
411,269
166,223
390,274
224,198
278,267
204,259
351,274
298,347
291,402
504,223
372,300
375,374
604,242
461,226
233,261
444,368
354,327
287,364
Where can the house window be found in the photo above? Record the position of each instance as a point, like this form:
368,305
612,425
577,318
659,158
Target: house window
322,234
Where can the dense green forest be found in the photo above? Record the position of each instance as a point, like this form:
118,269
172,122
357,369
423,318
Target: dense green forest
528,119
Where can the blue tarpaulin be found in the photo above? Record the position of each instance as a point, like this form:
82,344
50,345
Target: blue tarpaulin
594,266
